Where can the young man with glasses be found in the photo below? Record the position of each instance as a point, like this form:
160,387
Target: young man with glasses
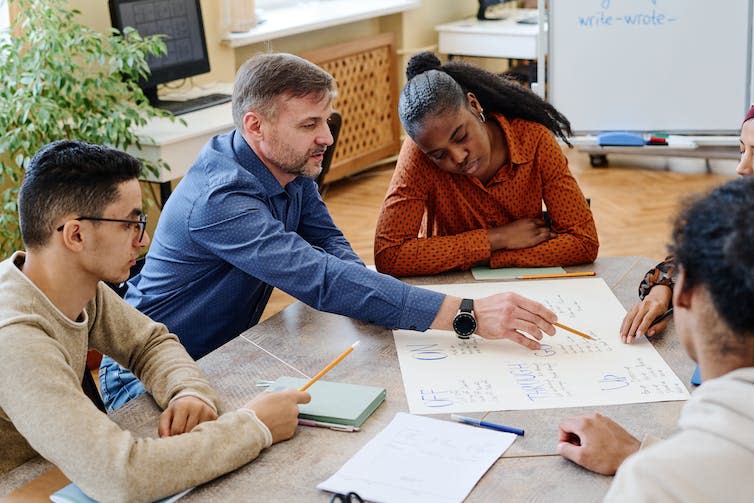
82,223
247,218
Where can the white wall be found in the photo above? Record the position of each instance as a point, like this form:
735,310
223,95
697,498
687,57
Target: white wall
4,16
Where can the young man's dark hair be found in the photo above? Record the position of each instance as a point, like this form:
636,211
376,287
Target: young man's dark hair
67,177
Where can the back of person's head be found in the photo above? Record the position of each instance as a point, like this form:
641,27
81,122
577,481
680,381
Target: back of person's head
433,89
69,177
712,242
264,77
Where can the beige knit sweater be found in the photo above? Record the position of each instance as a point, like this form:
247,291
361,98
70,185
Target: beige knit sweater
44,411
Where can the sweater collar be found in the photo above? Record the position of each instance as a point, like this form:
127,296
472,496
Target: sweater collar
15,263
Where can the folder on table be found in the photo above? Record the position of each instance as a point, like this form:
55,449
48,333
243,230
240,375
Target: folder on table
335,402
509,273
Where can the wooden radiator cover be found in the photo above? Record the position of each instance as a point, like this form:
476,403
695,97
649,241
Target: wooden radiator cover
365,71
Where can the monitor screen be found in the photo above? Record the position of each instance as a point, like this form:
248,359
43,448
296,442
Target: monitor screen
180,21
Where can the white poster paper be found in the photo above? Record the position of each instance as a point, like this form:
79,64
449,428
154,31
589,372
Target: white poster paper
444,374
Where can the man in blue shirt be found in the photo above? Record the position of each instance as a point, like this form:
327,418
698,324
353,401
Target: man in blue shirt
247,217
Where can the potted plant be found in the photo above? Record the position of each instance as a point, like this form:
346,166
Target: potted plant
63,80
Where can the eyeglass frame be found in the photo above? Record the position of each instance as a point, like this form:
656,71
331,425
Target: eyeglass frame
142,222
351,497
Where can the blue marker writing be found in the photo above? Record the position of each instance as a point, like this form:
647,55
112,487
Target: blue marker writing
486,424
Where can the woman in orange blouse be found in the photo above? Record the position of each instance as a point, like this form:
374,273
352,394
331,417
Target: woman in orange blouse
469,183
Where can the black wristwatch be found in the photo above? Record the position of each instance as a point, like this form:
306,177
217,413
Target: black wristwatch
464,323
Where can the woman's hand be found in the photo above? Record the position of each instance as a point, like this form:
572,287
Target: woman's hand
639,318
523,233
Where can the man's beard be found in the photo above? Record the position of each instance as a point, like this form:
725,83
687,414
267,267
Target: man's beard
300,166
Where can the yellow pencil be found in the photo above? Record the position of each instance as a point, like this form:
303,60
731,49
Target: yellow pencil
557,275
574,331
329,367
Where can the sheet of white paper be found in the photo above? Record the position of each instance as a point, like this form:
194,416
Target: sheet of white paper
444,374
419,459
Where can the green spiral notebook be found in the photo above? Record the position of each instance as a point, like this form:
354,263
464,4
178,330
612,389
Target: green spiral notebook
335,402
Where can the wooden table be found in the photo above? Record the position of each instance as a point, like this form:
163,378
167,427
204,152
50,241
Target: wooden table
529,471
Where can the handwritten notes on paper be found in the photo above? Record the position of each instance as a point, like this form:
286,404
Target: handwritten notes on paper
444,374
631,14
419,459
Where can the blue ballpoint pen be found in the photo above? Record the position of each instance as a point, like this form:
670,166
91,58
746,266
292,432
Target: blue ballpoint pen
486,424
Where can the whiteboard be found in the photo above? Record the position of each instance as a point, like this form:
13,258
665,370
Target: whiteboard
680,66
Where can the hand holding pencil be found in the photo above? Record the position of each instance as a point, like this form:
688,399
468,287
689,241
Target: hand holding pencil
278,410
510,316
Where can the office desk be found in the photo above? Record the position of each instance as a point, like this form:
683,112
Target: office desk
504,38
529,471
179,144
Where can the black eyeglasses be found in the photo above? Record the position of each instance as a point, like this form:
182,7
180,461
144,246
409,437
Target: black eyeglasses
140,224
351,497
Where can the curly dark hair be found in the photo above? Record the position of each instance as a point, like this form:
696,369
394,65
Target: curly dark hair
434,88
712,241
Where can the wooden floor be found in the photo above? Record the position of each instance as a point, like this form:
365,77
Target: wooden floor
633,207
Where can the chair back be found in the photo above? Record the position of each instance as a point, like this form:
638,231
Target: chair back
334,122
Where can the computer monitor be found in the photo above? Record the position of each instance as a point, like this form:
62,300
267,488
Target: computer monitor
180,21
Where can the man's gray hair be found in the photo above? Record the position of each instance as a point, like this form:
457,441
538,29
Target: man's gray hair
264,77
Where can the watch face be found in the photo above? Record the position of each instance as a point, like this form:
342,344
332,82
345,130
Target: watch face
464,325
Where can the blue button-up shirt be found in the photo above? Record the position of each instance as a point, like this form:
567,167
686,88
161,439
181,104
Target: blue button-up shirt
229,233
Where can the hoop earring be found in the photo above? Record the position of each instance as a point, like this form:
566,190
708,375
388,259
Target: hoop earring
482,118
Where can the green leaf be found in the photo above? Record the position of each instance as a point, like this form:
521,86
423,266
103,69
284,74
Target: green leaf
62,79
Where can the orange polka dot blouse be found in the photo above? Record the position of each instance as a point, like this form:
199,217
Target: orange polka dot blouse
433,221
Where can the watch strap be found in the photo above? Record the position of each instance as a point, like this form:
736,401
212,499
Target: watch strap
467,305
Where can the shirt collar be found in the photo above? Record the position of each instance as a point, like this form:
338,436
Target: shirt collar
249,160
516,150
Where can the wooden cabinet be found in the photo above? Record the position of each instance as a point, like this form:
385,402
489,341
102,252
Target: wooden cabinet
365,70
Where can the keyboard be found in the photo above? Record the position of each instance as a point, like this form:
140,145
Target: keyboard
193,104
529,20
